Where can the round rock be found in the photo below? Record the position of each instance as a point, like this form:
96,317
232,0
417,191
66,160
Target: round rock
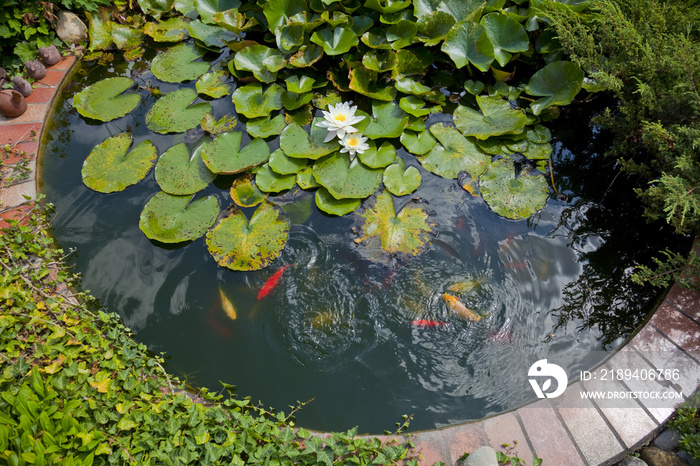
22,86
70,28
35,69
656,457
632,461
49,55
484,456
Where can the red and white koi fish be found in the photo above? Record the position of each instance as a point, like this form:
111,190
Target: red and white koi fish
271,282
456,306
427,323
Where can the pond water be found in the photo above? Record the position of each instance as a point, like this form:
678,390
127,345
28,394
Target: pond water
342,327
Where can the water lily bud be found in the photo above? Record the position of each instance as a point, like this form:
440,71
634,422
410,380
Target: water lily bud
35,69
49,55
12,103
22,86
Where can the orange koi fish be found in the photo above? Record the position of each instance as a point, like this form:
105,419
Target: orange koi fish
456,306
427,323
271,282
227,306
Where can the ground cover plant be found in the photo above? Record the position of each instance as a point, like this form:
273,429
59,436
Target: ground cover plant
292,68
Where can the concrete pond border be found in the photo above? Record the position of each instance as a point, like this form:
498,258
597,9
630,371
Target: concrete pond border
567,430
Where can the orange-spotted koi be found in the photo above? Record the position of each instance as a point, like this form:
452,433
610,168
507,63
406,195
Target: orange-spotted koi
271,282
227,306
455,305
427,323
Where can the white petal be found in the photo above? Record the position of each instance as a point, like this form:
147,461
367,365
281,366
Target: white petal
329,136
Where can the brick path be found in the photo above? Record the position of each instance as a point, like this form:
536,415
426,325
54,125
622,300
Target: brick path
563,431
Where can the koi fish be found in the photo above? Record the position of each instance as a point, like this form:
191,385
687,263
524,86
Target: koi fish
504,335
465,286
456,306
227,306
427,323
220,329
271,282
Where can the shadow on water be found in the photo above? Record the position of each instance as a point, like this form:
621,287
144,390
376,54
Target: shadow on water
368,338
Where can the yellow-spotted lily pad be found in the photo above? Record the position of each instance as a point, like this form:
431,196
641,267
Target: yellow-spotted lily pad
454,154
173,113
174,219
179,64
104,100
179,173
511,197
244,192
111,166
224,154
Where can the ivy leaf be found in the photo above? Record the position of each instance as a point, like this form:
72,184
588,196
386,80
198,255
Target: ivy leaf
238,244
173,113
251,101
224,154
511,197
454,154
557,83
345,179
400,180
214,85
174,219
496,118
102,101
179,174
178,64
111,167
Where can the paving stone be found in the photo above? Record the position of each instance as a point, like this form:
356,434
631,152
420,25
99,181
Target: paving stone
592,435
34,113
548,436
685,301
16,213
53,77
41,95
13,132
14,195
505,429
678,327
465,438
431,447
63,65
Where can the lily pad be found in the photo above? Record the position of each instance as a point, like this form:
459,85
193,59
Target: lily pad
263,62
511,197
280,163
496,118
378,157
467,42
387,6
433,28
180,174
412,62
208,8
411,86
335,41
418,143
330,205
173,113
293,100
506,35
306,56
454,154
388,121
102,101
416,106
407,232
295,142
401,34
174,219
458,9
112,167
224,154
238,244
244,192
234,21
125,37
400,180
345,179
225,124
171,30
214,85
300,84
380,60
251,101
365,82
278,12
306,180
557,83
209,35
270,182
264,127
179,64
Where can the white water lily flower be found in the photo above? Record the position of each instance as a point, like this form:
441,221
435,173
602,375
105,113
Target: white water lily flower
354,143
339,120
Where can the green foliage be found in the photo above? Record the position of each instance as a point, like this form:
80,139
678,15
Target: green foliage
687,423
76,389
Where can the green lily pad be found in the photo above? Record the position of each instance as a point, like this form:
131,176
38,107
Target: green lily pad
301,116
174,219
244,192
376,38
234,21
380,60
295,142
102,101
280,163
179,64
458,9
454,154
335,41
208,8
100,30
345,179
416,106
557,83
293,101
388,121
538,134
400,180
238,244
264,127
506,35
511,197
496,118
171,30
112,167
155,8
179,174
173,113
225,124
278,12
251,101
306,180
418,143
413,87
210,35
306,56
378,157
407,232
412,62
214,85
270,182
467,42
365,82
224,154
387,6
433,28
300,84
263,62
332,206
401,34
126,37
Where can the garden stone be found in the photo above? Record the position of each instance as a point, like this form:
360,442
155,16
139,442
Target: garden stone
12,103
35,69
632,461
685,456
70,28
3,76
484,456
667,440
49,55
22,86
657,457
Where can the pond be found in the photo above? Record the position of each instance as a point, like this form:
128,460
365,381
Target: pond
364,336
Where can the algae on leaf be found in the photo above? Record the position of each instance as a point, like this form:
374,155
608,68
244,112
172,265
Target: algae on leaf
173,113
454,154
179,64
179,174
112,167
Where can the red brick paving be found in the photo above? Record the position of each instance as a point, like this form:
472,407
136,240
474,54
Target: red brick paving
13,133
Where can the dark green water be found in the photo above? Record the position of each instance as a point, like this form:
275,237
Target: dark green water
554,286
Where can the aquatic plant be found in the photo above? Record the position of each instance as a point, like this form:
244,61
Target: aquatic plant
492,71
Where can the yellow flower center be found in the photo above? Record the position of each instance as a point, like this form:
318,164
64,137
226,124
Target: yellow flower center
353,142
340,117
